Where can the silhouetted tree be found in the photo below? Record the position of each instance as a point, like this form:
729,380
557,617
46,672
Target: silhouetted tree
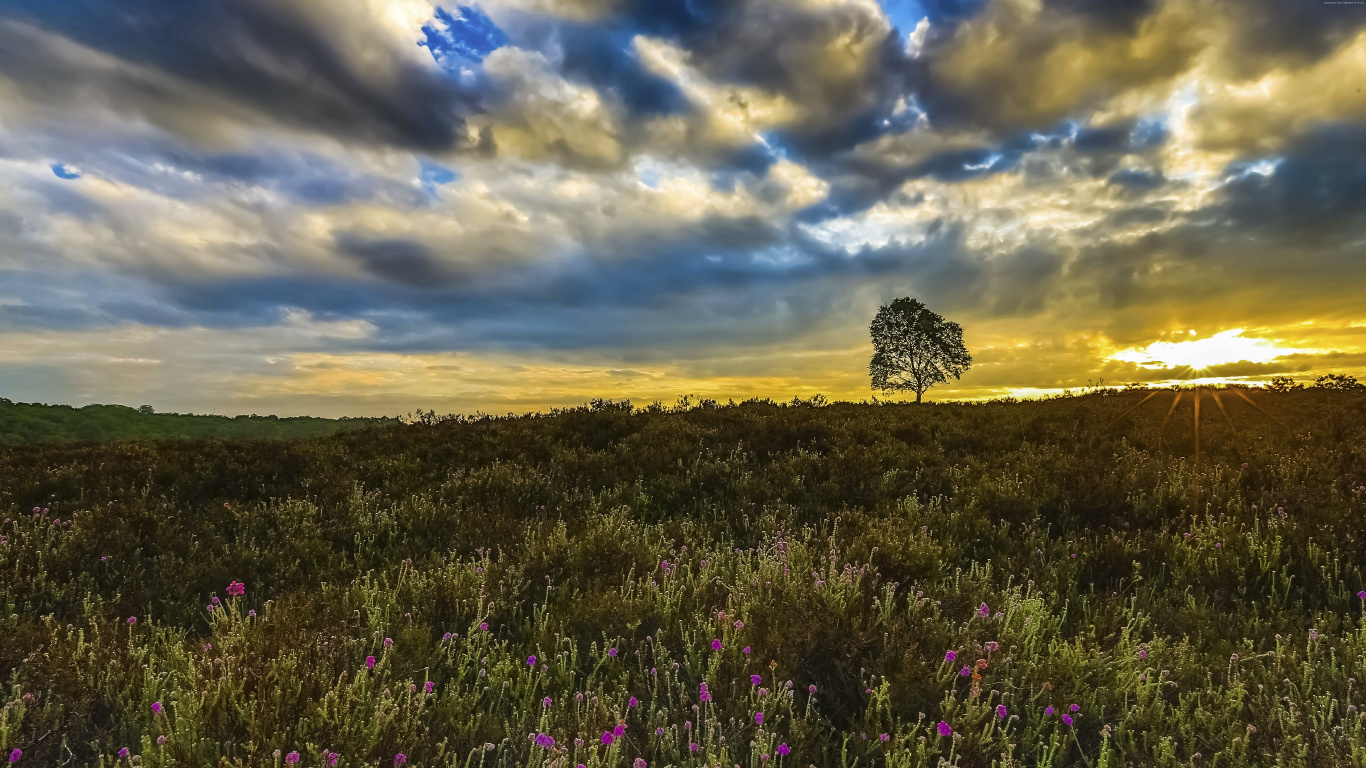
914,348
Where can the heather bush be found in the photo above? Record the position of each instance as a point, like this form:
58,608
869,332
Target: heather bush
1042,583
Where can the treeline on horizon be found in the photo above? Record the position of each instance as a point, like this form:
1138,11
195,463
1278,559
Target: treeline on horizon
26,423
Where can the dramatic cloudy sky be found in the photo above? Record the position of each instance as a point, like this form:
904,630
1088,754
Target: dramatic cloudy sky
368,206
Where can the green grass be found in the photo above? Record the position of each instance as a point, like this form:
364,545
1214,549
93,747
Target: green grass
22,423
1196,614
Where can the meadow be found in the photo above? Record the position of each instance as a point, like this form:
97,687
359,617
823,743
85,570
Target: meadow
1068,582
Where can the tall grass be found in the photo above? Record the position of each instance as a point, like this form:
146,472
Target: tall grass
1045,583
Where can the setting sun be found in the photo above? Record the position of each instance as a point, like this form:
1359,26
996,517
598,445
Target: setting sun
1220,349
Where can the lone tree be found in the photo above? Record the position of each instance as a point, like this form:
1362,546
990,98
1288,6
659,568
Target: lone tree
914,348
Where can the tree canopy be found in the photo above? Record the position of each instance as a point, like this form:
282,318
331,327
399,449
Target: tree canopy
914,348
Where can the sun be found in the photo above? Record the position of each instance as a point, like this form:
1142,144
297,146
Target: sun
1199,354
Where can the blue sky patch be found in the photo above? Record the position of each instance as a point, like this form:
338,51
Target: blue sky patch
462,39
65,171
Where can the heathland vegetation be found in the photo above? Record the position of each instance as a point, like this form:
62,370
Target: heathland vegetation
1045,583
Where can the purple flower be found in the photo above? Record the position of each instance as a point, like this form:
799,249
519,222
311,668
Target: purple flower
330,758
251,613
739,624
400,759
429,686
639,763
1362,594
484,626
747,650
811,689
544,740
705,694
237,589
156,707
214,599
1067,719
984,611
945,729
607,738
292,758
884,737
132,620
965,672
993,646
1001,711
388,642
758,718
369,662
755,679
612,652
1048,712
620,730
1142,653
547,701
531,661
692,745
123,752
716,645
1074,708
951,656
783,749
15,755
632,702
161,741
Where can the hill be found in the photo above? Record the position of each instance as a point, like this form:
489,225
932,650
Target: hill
1043,583
22,423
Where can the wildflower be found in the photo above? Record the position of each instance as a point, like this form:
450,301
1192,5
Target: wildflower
705,694
292,758
15,755
632,702
251,614
951,656
692,745
993,646
161,741
945,729
1074,708
330,758
716,645
620,730
739,624
1001,711
747,650
132,620
237,589
981,664
659,731
984,611
758,718
1049,711
607,738
783,749
884,737
208,647
484,626
755,679
1142,653
547,701
429,686
544,740
213,599
123,752
1362,594
1067,719
965,672
811,689
156,707
400,759
639,763
612,652
531,661
369,662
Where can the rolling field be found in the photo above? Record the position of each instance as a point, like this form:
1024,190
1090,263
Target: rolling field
1077,581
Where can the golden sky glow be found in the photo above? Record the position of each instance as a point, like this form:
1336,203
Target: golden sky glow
526,204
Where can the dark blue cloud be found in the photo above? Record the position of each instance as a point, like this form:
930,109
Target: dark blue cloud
1137,180
263,54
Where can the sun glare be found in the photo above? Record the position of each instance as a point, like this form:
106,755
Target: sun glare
1222,348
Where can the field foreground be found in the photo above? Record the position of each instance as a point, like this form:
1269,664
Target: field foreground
1046,583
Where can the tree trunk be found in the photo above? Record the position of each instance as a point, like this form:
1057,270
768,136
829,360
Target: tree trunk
918,393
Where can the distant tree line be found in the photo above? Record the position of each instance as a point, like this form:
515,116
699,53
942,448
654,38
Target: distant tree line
22,423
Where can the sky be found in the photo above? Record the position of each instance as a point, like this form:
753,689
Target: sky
366,207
